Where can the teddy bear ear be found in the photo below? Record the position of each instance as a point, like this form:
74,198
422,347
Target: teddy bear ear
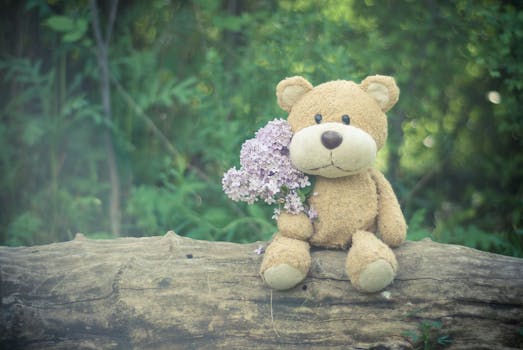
290,90
382,89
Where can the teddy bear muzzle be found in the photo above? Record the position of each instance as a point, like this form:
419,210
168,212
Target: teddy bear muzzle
332,150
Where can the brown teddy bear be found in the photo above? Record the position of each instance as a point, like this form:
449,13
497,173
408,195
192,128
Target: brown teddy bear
338,127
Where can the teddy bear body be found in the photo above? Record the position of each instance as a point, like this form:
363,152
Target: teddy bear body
354,209
338,127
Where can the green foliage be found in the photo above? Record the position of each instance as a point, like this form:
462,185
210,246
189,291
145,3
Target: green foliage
191,80
72,29
469,235
428,336
177,204
416,226
35,153
25,229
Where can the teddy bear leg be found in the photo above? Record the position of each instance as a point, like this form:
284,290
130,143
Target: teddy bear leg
286,262
371,264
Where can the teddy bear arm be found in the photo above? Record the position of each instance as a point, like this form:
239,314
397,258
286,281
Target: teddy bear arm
297,226
391,222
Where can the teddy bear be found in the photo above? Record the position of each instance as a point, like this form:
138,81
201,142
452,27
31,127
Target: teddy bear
338,128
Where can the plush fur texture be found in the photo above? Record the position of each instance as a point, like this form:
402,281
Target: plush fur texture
338,128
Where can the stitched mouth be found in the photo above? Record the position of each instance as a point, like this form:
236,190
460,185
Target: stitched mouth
332,165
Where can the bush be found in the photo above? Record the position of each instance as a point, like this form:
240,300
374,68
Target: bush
192,80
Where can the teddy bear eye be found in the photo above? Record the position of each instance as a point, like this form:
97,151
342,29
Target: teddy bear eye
318,118
345,119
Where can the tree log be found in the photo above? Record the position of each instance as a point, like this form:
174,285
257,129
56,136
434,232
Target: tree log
173,292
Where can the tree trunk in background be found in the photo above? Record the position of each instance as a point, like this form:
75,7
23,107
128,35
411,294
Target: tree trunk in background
172,292
395,140
105,92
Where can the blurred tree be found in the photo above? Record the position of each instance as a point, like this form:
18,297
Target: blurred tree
191,80
461,157
103,43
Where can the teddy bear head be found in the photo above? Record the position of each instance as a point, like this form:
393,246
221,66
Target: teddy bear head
339,125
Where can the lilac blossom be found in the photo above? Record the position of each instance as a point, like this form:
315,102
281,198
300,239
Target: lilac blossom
266,171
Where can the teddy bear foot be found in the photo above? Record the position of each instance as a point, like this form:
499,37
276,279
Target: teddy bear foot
376,276
283,276
371,265
286,262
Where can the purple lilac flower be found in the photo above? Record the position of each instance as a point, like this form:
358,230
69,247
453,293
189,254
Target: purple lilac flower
312,214
266,170
260,250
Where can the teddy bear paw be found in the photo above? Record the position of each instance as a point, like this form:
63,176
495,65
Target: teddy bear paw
376,276
283,276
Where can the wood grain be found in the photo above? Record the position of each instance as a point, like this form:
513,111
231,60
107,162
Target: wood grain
173,292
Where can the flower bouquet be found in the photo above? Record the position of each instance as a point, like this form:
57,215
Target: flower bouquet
267,173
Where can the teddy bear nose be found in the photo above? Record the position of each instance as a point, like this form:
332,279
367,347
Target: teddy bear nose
331,139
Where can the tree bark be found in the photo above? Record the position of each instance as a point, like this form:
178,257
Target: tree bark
172,292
